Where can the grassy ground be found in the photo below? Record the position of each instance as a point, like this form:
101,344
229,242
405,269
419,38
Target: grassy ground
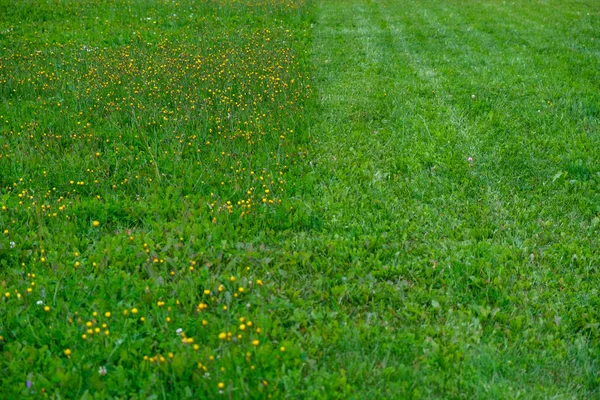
343,199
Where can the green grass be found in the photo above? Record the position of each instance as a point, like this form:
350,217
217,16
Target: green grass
407,193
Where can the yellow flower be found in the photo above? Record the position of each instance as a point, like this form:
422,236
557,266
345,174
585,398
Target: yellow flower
96,224
222,335
46,308
255,342
67,352
107,314
221,385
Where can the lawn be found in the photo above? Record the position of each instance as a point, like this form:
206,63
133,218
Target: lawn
299,199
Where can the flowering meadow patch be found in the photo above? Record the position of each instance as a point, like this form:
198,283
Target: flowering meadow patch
137,137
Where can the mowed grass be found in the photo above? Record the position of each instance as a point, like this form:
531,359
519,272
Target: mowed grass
374,199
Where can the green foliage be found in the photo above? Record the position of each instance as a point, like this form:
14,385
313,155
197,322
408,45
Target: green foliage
275,198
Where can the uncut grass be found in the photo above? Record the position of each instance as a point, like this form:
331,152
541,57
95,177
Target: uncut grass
141,140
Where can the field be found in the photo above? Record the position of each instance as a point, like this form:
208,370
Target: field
299,199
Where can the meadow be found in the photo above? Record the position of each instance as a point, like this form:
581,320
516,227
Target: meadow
299,199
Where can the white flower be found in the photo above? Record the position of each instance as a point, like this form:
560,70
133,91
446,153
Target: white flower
39,302
12,245
179,330
102,371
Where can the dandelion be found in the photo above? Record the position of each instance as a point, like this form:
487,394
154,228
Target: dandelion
95,224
